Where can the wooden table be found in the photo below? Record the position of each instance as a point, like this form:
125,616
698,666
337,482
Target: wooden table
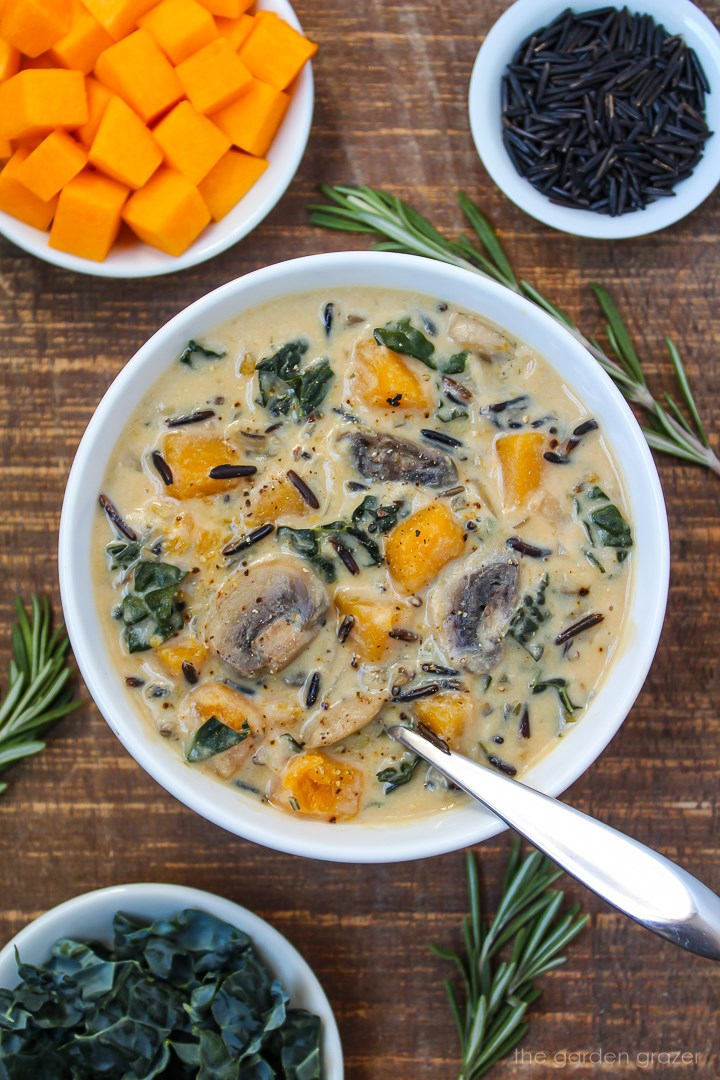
392,80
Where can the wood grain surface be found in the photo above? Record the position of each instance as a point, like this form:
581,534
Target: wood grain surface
391,85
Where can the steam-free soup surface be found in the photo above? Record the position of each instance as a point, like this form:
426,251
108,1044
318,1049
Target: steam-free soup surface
344,511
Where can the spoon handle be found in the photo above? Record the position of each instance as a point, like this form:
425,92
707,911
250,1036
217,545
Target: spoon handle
638,881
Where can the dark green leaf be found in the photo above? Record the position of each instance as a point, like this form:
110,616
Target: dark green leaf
285,386
122,553
150,576
604,524
306,543
214,737
396,776
529,617
193,349
539,686
404,338
372,517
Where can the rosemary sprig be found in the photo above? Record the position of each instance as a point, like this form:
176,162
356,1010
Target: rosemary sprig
38,693
497,992
370,210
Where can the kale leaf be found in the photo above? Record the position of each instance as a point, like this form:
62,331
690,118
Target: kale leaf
149,611
403,337
122,553
528,618
286,386
367,518
604,524
194,349
213,737
396,776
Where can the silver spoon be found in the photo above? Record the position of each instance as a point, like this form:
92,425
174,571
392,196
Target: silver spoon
640,882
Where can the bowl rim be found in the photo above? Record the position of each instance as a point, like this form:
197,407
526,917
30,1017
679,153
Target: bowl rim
519,20
152,900
354,842
217,236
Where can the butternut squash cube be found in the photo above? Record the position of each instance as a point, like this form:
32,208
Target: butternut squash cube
230,707
275,52
274,499
168,213
83,43
374,620
123,148
15,198
49,168
118,17
32,26
226,183
98,97
138,70
252,121
521,461
191,143
180,27
417,549
214,76
191,456
35,102
235,31
5,149
9,60
229,9
88,215
321,784
380,378
446,713
179,651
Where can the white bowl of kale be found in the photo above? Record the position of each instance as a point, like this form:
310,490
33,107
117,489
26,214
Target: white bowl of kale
411,837
152,980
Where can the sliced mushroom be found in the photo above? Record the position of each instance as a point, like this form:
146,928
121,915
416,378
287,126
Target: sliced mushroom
327,725
479,337
380,456
260,622
471,609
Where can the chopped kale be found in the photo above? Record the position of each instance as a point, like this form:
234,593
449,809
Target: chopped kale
149,611
287,387
396,776
368,517
403,337
194,349
528,618
122,553
213,737
604,524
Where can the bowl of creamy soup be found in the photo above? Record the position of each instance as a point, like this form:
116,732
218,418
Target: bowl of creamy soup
350,491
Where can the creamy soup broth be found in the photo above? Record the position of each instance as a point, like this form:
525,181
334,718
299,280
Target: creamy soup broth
448,548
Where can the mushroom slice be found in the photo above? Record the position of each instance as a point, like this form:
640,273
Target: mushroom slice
479,337
471,609
380,456
344,717
263,617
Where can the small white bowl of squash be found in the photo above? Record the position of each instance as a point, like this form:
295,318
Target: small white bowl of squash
365,839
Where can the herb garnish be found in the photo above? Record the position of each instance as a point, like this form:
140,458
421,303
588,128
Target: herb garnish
186,996
148,611
194,349
37,689
213,737
377,212
285,386
403,337
496,994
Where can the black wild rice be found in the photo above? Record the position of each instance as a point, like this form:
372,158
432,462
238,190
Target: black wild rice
345,627
196,417
163,469
230,472
313,689
115,518
307,493
581,625
440,437
344,554
249,539
604,110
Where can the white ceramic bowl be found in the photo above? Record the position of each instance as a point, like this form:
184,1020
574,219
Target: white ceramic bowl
131,258
89,918
227,806
513,26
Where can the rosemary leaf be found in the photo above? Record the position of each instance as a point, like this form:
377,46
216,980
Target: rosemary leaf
402,229
497,992
37,691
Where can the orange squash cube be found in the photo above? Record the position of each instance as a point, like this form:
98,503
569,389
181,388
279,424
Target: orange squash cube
88,216
138,70
229,180
446,713
417,549
98,97
5,149
521,461
32,26
252,121
321,784
9,60
123,148
273,499
191,143
229,9
35,102
15,198
118,17
83,43
168,213
380,378
275,52
190,457
180,27
52,165
235,31
373,622
214,76
181,651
